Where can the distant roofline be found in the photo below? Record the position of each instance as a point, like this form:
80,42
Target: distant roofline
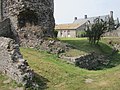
70,26
92,17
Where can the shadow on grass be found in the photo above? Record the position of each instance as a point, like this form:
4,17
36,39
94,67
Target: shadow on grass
84,45
102,48
40,83
114,60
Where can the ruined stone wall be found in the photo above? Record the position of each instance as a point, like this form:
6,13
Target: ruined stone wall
12,62
39,12
5,29
91,61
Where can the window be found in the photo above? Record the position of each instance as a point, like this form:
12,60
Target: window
61,33
68,33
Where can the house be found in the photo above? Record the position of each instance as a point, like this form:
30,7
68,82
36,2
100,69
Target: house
77,28
67,30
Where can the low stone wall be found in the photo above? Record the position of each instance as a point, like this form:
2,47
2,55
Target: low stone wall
115,33
12,62
89,61
47,44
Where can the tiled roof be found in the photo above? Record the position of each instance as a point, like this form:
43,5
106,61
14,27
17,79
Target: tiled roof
67,26
77,23
91,19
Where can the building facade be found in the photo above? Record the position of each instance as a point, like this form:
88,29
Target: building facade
67,30
79,30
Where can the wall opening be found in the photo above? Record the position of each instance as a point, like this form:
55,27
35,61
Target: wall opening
27,16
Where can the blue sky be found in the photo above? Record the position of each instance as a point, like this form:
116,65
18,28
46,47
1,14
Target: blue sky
66,10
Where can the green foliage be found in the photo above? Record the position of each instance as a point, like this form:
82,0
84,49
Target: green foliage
81,34
55,33
95,31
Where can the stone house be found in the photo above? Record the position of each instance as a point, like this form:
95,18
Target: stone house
67,30
81,24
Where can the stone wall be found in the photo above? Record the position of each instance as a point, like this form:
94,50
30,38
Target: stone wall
53,46
114,33
5,28
89,61
12,62
6,31
30,13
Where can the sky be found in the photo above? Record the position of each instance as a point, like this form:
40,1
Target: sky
66,10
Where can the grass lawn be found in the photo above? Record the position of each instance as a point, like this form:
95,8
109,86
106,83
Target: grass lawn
83,45
58,75
55,74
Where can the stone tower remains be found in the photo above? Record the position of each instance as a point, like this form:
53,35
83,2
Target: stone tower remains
26,21
29,18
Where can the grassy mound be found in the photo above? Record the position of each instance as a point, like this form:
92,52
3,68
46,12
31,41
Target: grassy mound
53,73
82,44
104,48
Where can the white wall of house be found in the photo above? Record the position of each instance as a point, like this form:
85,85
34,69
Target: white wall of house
66,33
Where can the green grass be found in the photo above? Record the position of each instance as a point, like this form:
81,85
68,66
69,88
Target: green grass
83,45
53,73
113,39
56,74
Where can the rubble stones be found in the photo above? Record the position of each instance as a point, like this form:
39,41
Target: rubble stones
53,46
89,61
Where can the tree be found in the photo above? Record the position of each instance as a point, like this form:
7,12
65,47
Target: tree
94,31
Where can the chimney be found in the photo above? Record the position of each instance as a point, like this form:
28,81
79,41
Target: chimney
75,18
85,17
117,20
111,14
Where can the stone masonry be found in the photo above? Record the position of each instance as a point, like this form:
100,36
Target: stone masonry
90,61
23,22
6,31
29,13
12,62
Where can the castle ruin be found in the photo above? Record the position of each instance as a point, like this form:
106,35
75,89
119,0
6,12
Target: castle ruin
36,15
23,22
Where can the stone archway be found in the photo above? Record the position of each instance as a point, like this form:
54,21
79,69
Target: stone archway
27,16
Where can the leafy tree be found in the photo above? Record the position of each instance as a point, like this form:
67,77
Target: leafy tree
55,33
94,31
